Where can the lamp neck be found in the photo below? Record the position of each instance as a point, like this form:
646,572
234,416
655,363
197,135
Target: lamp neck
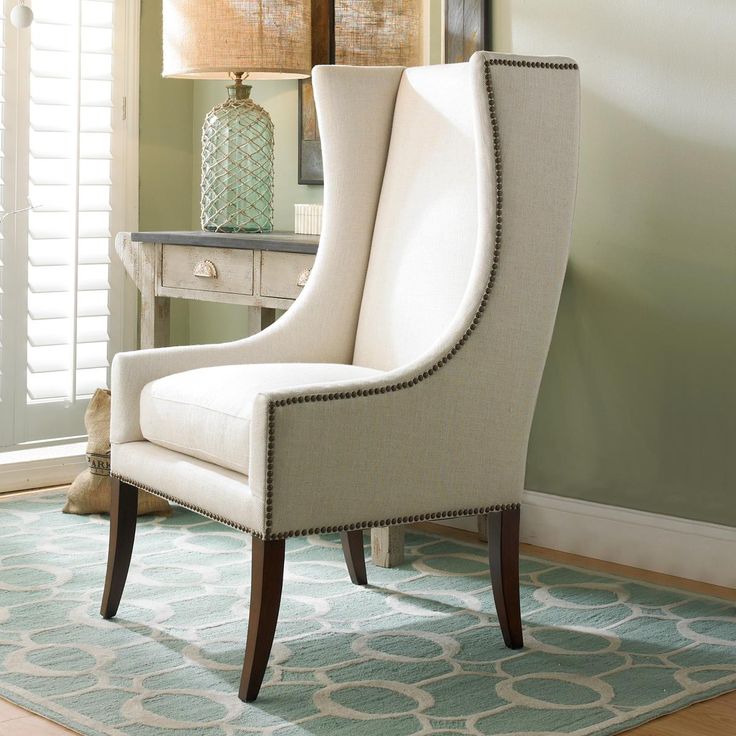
238,90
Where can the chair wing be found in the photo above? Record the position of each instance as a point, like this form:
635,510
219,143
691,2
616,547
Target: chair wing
446,434
426,231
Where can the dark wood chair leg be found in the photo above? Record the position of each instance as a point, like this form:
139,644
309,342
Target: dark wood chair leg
352,547
123,517
503,556
267,578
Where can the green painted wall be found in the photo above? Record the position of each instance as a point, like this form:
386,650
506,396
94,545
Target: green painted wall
638,403
166,156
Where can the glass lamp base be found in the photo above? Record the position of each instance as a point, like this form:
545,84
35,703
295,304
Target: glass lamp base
237,166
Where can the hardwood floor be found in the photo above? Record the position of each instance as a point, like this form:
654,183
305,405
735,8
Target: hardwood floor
716,717
15,721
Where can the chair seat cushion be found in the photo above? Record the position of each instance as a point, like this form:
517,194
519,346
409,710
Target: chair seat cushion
205,413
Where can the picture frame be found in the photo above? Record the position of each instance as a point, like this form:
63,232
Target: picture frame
323,52
467,29
310,148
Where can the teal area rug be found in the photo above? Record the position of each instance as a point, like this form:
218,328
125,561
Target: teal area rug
417,652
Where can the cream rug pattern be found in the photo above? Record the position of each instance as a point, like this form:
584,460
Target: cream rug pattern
419,651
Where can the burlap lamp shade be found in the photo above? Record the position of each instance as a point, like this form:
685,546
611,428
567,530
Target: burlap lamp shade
239,39
212,39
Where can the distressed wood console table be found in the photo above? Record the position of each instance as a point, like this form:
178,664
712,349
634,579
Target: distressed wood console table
262,270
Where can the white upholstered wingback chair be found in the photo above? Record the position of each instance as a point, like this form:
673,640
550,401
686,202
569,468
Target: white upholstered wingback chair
401,384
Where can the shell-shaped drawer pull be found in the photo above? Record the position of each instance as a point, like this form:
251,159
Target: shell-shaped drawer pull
205,269
303,276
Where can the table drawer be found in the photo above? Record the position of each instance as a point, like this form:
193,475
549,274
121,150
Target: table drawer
283,275
225,270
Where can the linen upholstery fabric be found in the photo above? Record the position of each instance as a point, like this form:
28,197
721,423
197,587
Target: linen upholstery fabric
205,413
425,236
201,486
445,432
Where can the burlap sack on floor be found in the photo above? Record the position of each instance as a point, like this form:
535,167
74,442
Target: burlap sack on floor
90,491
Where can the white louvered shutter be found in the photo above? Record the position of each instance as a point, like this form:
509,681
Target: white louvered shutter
69,180
69,108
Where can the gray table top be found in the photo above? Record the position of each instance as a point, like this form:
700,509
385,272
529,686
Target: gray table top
278,241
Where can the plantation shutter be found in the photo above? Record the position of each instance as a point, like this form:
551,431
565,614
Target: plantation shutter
64,146
69,181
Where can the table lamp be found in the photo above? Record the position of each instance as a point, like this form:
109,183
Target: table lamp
238,40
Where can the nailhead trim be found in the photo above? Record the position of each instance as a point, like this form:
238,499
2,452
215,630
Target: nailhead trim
529,64
323,529
393,521
272,405
269,467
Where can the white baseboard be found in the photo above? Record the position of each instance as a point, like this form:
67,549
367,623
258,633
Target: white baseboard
688,549
40,467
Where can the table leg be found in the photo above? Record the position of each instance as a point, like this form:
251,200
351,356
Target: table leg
483,527
387,546
154,322
154,309
260,318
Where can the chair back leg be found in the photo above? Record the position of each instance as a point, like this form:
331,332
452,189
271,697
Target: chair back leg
354,551
267,578
123,517
503,556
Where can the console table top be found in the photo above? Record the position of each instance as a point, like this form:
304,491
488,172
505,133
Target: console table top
277,241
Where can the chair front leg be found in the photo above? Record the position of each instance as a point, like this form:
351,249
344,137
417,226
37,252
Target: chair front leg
503,556
123,517
352,547
266,581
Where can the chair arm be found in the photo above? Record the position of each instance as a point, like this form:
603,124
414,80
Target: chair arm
386,449
131,371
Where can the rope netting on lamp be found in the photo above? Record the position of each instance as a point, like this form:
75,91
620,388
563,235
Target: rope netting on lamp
237,166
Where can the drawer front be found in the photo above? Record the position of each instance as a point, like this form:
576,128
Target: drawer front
283,275
225,270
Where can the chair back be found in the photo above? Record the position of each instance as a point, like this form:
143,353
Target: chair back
425,233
